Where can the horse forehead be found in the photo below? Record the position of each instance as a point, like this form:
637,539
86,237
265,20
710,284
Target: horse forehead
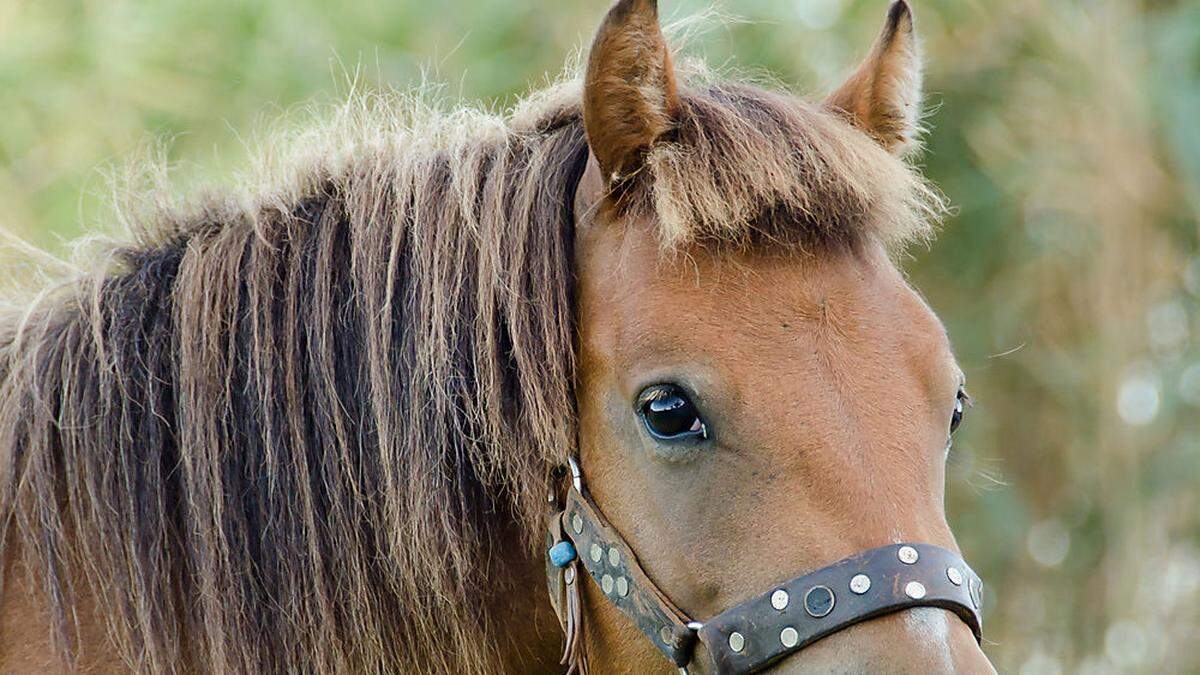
634,295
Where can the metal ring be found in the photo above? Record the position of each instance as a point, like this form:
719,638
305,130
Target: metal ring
820,613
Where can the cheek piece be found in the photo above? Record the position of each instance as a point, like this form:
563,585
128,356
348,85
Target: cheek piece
754,634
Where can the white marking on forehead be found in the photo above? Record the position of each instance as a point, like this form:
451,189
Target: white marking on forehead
930,628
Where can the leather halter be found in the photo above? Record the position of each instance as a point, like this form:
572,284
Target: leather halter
757,633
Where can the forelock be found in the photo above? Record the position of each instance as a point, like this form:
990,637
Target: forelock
749,167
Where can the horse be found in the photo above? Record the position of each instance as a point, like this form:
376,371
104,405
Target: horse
336,422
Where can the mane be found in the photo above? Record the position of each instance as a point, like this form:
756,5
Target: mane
300,428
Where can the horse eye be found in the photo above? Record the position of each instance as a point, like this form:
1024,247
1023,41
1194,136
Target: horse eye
669,415
960,402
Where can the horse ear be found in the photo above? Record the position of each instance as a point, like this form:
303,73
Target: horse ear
883,97
630,97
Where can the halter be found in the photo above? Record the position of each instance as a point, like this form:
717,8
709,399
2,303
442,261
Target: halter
754,634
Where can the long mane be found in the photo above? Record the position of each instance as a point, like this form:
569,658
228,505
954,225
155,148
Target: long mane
296,432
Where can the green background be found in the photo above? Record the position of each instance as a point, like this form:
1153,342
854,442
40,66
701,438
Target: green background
1066,133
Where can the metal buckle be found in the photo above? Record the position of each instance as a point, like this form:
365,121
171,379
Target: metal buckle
695,627
576,474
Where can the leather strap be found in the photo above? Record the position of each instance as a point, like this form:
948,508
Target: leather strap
756,633
880,581
615,568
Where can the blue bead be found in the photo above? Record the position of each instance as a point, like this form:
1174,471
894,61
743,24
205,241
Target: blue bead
562,553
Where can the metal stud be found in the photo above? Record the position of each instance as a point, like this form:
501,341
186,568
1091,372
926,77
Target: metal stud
954,575
789,638
737,642
622,586
779,599
606,583
859,584
577,523
819,601
914,590
596,552
907,555
614,556
569,575
665,635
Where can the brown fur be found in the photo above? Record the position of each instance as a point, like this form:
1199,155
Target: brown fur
312,428
883,97
630,97
297,439
825,382
828,386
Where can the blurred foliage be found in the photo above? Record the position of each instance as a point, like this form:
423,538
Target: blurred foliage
1065,131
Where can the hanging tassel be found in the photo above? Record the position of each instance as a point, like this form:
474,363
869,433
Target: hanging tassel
573,657
564,581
